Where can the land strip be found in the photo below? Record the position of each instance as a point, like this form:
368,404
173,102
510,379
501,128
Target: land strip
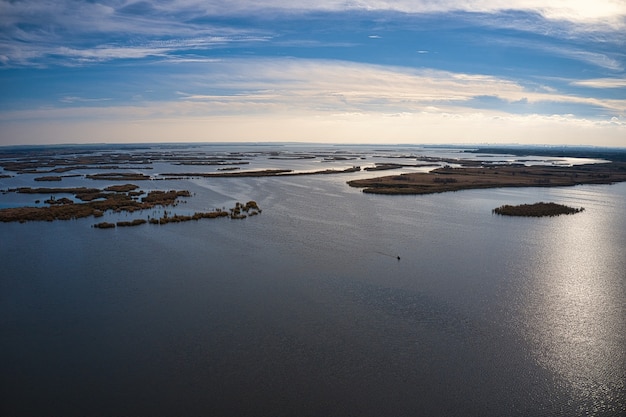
493,176
259,173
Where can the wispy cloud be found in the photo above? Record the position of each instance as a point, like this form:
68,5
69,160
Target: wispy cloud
77,99
601,83
262,85
335,85
163,121
33,30
609,11
578,15
70,32
608,58
598,59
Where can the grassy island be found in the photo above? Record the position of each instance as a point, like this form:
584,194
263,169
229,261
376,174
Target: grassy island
118,176
240,211
117,198
540,209
455,179
95,203
260,173
389,166
49,178
104,225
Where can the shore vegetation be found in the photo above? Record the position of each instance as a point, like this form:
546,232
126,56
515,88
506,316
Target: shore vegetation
456,179
95,202
540,209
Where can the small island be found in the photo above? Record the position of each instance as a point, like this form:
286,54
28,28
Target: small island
540,209
240,211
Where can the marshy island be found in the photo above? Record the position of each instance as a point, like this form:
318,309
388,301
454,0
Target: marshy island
540,209
116,198
450,178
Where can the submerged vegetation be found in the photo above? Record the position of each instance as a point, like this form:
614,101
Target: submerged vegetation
540,209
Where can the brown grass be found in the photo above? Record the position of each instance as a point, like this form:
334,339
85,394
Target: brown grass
97,202
119,176
122,188
104,225
456,179
49,178
261,173
135,222
540,209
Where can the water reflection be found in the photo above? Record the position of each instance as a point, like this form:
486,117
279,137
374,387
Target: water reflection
575,314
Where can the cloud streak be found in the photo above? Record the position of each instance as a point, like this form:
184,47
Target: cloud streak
318,87
602,83
334,85
611,12
81,32
70,32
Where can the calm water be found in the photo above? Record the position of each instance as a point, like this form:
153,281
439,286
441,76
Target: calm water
305,310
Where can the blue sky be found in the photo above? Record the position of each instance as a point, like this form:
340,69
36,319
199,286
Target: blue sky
421,71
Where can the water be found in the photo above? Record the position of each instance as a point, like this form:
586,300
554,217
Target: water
305,309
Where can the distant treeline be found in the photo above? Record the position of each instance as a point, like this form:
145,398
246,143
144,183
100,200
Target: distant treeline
610,154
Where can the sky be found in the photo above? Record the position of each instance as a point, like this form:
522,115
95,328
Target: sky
333,71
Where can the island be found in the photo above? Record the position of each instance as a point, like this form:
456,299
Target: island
94,202
493,176
540,209
259,173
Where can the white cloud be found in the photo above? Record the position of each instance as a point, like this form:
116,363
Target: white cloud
76,31
255,86
601,83
133,124
610,13
594,58
31,30
344,86
257,99
78,99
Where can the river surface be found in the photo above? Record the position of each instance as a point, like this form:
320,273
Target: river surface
306,310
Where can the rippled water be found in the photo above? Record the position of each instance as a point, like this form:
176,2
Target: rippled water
305,309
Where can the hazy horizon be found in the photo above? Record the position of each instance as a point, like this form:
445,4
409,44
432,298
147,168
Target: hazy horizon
434,145
371,72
